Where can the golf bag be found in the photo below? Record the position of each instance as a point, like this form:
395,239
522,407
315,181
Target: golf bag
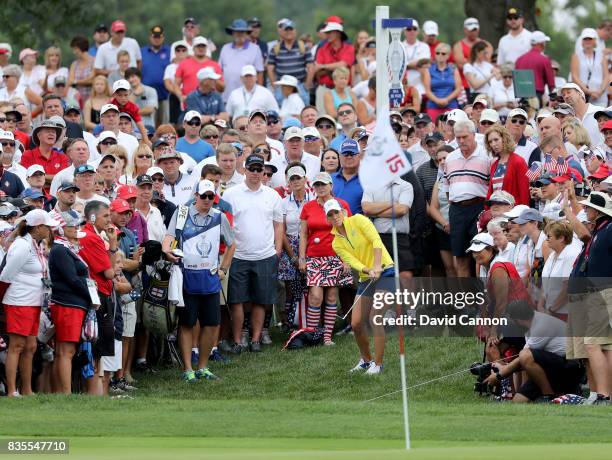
158,315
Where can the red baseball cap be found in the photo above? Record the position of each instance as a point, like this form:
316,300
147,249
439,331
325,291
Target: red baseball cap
125,192
118,26
120,205
336,19
602,173
607,125
572,173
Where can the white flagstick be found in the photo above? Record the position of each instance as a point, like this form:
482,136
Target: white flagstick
401,329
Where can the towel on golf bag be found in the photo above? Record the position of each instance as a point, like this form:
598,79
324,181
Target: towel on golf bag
175,287
305,337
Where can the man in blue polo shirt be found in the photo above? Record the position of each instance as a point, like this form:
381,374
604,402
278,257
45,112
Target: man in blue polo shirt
191,143
346,181
155,58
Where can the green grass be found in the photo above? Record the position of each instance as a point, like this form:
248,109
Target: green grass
304,404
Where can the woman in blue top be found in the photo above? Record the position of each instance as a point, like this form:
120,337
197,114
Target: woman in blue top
442,83
341,92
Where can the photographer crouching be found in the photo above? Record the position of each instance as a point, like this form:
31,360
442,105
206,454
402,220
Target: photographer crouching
543,358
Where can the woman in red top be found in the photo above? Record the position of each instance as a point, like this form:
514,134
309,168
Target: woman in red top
509,169
324,269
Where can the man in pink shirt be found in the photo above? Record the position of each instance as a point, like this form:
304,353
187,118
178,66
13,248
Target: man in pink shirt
536,61
187,71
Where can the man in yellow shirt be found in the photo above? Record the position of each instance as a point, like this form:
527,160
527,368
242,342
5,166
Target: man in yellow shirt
358,244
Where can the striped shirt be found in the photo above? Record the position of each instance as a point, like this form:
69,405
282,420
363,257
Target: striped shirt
290,62
467,178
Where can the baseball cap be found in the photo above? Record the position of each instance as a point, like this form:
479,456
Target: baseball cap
193,21
86,168
118,26
261,113
191,115
480,242
571,173
332,205
421,118
120,205
154,170
126,192
360,132
293,132
489,115
40,217
7,135
285,24
161,141
248,70
30,193
220,123
500,196
456,115
7,209
143,179
518,113
207,73
607,125
66,185
516,211
538,36
514,12
72,108
170,155
588,33
412,23
471,24
566,109
545,179
602,173
36,168
121,84
296,171
572,86
434,137
200,41
553,211
349,147
309,131
106,107
106,135
157,31
254,159
599,113
529,215
543,113
101,28
323,178
326,118
205,186
430,28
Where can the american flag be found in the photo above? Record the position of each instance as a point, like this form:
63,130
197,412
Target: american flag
549,164
534,171
569,398
562,166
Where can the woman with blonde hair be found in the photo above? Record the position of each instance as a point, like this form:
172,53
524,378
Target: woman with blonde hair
142,160
121,154
54,69
508,170
442,83
100,95
340,93
574,133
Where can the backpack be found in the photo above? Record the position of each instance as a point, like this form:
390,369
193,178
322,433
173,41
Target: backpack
301,47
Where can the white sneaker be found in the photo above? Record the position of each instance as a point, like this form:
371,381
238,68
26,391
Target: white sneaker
374,369
245,338
15,394
362,365
265,337
329,343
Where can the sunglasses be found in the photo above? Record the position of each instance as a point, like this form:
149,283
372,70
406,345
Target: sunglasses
486,123
261,151
180,50
194,123
507,77
268,174
349,154
512,18
518,121
273,121
8,144
325,126
11,119
158,179
411,28
147,157
108,142
311,139
2,120
6,76
255,170
438,53
345,113
211,136
207,196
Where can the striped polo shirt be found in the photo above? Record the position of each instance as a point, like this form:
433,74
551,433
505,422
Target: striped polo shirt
467,178
290,62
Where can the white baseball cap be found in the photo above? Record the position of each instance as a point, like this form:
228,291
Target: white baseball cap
516,211
106,107
287,80
199,40
7,135
205,186
248,70
191,115
471,24
296,171
311,131
588,33
538,36
332,205
573,86
121,84
456,115
480,242
207,73
333,26
34,169
40,217
518,112
106,135
430,28
489,115
154,170
293,132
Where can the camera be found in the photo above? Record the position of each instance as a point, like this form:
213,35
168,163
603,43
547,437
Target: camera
135,294
481,371
523,103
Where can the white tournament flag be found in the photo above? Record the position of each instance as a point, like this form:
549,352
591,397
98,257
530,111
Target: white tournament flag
384,159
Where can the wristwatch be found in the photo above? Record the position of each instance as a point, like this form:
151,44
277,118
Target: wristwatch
221,269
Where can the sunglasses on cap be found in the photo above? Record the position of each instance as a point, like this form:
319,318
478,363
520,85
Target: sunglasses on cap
207,196
255,169
325,126
261,151
194,123
518,121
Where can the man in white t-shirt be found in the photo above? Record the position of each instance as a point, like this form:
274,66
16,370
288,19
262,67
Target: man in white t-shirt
109,119
585,112
178,187
294,147
250,96
258,227
78,152
415,51
517,41
106,57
